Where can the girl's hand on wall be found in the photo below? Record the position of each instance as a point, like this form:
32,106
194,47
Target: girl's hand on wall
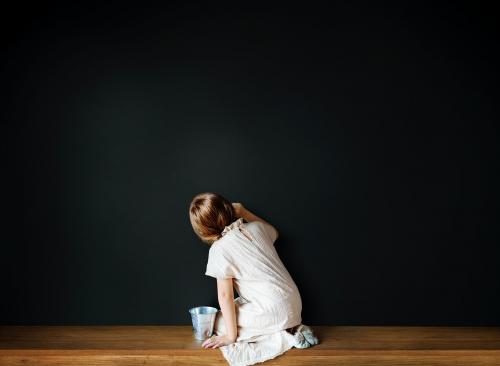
238,208
217,341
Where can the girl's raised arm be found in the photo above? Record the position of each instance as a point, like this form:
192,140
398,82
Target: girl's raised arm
249,216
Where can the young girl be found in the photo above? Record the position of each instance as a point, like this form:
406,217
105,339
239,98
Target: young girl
242,256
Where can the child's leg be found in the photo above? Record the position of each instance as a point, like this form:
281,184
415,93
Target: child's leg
219,327
292,330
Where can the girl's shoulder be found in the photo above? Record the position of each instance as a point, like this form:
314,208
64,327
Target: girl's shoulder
263,231
222,243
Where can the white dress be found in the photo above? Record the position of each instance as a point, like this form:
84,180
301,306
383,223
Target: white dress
269,301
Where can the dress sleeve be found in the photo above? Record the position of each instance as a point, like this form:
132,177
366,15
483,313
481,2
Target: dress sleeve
269,232
219,265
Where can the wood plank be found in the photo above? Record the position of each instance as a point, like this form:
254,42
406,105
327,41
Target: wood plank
175,345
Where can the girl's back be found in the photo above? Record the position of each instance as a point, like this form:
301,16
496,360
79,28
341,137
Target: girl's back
269,298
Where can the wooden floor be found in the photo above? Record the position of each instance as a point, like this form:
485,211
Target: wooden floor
175,345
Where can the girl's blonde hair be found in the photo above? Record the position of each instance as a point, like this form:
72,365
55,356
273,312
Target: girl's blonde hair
209,213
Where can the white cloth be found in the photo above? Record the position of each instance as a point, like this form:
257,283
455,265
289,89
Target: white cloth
269,301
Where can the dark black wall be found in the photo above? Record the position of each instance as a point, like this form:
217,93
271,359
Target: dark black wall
367,134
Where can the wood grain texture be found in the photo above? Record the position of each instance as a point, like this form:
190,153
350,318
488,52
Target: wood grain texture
175,345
